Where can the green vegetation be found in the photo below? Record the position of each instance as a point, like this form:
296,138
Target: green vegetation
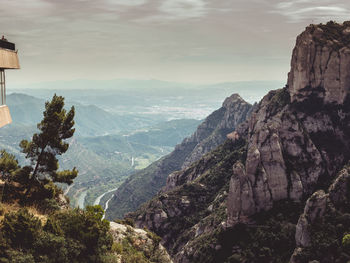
67,236
103,161
270,239
332,33
139,247
34,183
55,128
193,198
329,238
279,99
329,234
55,233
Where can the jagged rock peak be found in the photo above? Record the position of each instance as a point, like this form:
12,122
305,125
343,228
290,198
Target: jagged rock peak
299,137
320,63
233,99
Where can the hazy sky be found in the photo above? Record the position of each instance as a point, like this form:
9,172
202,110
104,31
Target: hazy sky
198,41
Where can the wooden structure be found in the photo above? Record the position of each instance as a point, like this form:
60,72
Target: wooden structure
8,60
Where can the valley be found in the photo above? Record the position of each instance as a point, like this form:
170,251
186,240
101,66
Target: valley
120,129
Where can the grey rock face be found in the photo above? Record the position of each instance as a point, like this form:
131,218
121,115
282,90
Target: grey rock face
209,135
141,242
235,111
316,207
241,197
298,135
319,62
339,190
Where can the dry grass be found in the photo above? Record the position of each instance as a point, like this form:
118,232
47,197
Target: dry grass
13,207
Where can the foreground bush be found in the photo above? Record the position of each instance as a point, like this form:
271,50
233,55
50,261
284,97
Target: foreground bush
67,236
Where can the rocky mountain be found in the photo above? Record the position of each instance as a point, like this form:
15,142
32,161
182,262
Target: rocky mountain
144,184
242,201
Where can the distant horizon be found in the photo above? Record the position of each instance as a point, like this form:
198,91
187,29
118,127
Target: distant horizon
251,91
193,84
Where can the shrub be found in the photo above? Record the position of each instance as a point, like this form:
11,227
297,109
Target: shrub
126,221
21,228
86,226
20,257
346,242
1,210
49,205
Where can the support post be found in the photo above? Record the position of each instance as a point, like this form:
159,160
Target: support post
2,84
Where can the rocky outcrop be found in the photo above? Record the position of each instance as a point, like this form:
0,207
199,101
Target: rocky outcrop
321,64
235,111
144,184
141,241
295,135
241,199
316,206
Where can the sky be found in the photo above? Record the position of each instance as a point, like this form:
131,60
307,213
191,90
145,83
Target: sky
192,41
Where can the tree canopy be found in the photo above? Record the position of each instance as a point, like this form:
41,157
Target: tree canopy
37,178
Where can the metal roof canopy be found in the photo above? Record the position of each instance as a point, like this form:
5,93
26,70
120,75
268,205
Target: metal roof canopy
7,45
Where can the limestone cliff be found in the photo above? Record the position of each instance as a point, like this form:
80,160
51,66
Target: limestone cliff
300,137
321,64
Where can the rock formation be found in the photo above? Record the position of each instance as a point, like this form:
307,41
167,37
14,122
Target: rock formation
208,136
140,240
321,64
316,206
293,136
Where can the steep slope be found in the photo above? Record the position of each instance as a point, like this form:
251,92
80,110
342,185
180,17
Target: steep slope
241,202
144,184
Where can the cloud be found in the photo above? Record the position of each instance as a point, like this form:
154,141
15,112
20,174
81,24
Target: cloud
312,10
179,9
126,2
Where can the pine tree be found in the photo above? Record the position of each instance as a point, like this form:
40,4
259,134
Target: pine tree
55,128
